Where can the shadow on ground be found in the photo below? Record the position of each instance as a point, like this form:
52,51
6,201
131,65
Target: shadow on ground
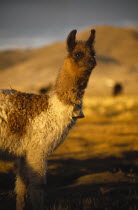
98,183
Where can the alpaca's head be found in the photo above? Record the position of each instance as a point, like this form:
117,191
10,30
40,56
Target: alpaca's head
82,52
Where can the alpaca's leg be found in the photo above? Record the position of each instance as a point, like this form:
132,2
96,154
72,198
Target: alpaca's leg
20,190
36,163
20,187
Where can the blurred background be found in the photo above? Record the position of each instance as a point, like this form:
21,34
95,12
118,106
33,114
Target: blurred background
97,166
32,35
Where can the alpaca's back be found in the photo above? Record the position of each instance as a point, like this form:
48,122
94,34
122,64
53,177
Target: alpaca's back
17,110
5,107
5,95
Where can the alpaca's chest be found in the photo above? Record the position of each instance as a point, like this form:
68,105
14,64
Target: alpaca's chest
52,128
59,128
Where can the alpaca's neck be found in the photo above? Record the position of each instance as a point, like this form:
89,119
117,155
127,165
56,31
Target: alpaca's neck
71,82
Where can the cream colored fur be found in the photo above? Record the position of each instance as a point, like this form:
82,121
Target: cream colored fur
57,121
44,134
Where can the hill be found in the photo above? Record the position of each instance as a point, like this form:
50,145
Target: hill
117,50
9,58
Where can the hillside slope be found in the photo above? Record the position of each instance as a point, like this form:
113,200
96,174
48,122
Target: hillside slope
117,50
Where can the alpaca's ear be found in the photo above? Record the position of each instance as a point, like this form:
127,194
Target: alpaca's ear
71,40
91,39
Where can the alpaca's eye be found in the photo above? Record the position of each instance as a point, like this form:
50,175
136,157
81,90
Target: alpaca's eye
78,55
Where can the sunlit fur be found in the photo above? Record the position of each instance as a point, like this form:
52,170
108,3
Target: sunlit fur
32,126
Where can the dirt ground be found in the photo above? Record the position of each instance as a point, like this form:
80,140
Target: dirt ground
97,165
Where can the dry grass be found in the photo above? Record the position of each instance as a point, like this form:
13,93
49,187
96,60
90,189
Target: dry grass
109,128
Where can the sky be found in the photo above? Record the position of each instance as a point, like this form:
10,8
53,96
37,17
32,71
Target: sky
33,23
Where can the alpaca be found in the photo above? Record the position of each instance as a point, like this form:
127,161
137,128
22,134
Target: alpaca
45,89
32,126
117,87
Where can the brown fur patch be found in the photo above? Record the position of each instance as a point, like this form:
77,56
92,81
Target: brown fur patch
71,82
25,107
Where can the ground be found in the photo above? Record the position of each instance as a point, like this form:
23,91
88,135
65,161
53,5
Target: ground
97,166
